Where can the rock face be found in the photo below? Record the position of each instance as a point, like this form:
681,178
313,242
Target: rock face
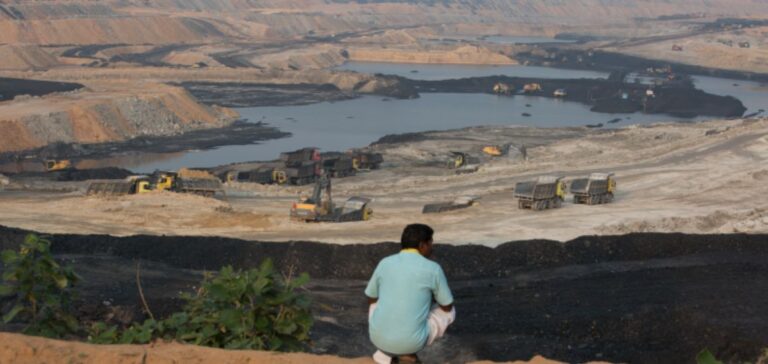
93,117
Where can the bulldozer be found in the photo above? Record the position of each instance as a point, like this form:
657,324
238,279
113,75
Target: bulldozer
530,88
501,88
320,207
53,165
496,150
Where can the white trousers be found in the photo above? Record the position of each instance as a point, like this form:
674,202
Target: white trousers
438,322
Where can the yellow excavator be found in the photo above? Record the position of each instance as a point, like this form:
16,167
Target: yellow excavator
320,207
463,163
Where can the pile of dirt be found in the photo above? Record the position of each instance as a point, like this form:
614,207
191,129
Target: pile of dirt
26,349
100,115
331,261
634,298
717,222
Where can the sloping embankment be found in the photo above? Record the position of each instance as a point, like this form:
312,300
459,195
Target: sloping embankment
105,114
641,298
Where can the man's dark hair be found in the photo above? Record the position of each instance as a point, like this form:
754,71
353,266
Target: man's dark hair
414,234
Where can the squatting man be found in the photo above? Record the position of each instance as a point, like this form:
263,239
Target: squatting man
402,318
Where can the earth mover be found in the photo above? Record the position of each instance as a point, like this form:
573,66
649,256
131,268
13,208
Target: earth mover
546,192
320,207
53,165
596,189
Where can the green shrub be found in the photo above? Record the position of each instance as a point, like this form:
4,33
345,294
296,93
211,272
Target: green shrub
38,290
235,309
706,357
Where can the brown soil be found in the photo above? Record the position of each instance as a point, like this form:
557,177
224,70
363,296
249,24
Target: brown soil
22,349
104,112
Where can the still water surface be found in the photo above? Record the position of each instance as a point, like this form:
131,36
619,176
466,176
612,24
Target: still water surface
354,123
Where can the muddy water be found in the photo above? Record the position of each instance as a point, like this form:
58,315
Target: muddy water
434,72
353,123
505,39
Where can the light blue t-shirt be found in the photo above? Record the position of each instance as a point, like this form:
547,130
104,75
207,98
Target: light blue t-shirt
405,284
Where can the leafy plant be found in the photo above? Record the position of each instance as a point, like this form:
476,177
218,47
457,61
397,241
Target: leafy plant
235,309
706,357
39,290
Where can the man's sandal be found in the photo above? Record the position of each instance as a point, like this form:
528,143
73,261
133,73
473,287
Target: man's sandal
406,359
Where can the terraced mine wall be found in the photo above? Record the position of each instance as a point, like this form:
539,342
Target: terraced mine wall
90,117
640,298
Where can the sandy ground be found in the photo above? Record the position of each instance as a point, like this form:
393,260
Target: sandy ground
20,349
711,50
671,178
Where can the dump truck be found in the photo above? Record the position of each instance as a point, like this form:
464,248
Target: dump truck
545,192
337,167
320,206
596,189
264,174
197,182
459,203
299,174
130,186
186,181
365,160
298,157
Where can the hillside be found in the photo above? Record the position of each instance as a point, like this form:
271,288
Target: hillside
169,21
103,112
